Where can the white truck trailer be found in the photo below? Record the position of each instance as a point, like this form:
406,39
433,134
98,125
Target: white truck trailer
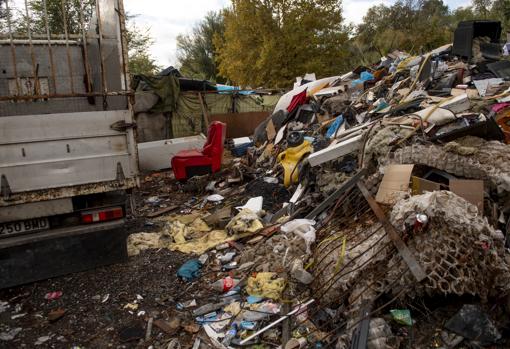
67,146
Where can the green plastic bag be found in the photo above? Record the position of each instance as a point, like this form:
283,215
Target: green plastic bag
402,316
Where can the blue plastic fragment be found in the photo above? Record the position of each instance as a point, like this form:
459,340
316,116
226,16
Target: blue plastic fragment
254,299
334,127
190,270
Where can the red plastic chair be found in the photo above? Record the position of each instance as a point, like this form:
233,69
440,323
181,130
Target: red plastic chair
194,162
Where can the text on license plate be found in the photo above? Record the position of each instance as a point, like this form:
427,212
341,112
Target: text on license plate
24,226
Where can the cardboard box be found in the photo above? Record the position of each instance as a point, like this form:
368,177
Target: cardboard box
395,181
421,185
471,190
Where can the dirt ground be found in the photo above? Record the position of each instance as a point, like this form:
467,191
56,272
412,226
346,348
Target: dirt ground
112,306
93,302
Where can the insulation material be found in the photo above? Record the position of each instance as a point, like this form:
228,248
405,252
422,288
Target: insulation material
266,285
468,157
379,146
460,252
142,241
244,222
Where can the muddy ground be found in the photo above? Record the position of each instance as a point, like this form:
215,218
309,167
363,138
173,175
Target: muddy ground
91,312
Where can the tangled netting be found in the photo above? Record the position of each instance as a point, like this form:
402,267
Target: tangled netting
468,157
459,251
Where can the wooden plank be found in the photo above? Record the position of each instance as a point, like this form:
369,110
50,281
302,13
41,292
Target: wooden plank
402,248
204,110
162,211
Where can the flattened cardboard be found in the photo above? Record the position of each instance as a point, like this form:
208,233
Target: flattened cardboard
271,131
421,185
395,181
471,190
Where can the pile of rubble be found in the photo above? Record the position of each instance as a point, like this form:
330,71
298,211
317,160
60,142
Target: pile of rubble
368,201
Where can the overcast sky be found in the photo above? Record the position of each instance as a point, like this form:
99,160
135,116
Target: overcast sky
169,18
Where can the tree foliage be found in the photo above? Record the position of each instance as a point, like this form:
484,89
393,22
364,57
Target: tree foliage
270,42
196,52
62,15
58,16
410,25
139,42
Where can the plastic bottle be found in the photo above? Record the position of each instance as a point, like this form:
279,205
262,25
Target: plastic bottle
227,257
210,307
231,334
225,285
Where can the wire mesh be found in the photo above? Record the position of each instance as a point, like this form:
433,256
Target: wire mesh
62,48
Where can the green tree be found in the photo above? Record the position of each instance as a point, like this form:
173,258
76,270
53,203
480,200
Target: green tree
482,8
196,51
139,43
500,10
270,42
410,25
62,15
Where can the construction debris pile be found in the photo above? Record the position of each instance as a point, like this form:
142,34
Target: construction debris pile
372,211
368,202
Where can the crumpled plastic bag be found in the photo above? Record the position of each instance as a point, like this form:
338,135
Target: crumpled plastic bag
402,316
190,270
364,76
245,221
142,241
303,228
267,285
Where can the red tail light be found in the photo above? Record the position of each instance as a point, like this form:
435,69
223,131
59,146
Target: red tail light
102,215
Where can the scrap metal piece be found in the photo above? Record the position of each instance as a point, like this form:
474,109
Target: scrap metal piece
120,172
5,189
404,251
360,337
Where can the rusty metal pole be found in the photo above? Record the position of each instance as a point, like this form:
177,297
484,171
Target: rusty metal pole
68,52
50,50
13,48
32,53
85,49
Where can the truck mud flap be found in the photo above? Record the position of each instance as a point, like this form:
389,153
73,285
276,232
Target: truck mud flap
41,256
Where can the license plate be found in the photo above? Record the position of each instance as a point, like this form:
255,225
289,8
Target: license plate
24,226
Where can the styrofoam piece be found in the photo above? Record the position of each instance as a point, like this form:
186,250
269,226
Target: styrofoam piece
158,155
241,141
279,135
335,151
253,204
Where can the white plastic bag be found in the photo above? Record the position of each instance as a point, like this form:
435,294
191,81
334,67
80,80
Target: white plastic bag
302,227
